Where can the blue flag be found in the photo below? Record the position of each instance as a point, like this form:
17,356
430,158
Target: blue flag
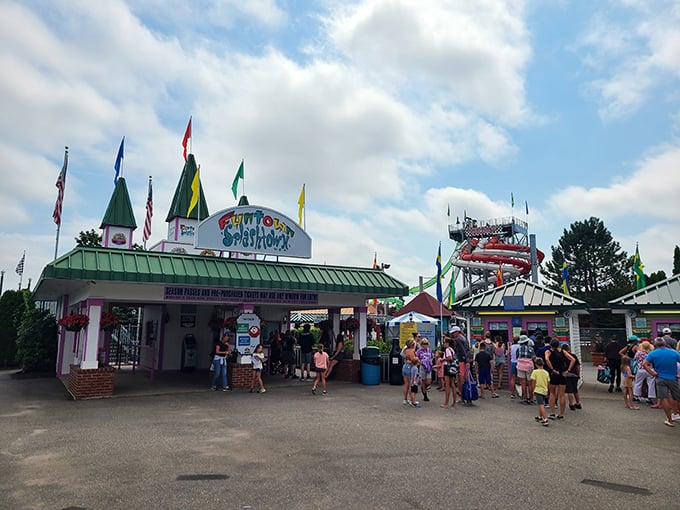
119,160
565,278
439,274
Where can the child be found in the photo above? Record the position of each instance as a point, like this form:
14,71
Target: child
258,361
541,381
321,364
483,366
439,367
415,372
628,377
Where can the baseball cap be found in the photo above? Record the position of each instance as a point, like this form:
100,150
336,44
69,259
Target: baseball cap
666,331
633,338
454,329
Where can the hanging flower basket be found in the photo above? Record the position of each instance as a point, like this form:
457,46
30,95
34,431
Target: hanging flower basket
74,322
351,324
109,322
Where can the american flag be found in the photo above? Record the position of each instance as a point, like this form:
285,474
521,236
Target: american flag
149,214
20,265
61,184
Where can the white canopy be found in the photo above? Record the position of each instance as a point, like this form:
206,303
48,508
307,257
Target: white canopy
413,317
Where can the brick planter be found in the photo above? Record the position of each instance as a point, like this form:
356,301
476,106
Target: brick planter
347,370
239,376
90,383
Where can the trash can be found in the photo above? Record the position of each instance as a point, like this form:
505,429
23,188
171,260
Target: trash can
396,363
370,365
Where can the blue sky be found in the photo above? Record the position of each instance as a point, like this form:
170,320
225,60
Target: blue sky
389,111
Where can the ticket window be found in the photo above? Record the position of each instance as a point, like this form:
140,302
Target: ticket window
501,329
534,325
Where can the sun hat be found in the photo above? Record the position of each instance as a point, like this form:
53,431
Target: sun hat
523,339
633,338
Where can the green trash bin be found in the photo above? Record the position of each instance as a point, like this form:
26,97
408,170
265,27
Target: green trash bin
370,365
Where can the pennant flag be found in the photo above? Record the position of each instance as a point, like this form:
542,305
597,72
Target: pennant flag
448,210
301,204
565,278
439,273
638,269
187,135
526,206
195,185
457,220
20,265
375,260
239,175
499,277
452,289
119,160
149,214
61,185
512,199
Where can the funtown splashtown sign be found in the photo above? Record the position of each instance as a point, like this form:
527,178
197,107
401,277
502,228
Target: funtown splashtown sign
253,229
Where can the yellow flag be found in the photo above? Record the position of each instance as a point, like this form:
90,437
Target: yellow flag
194,191
301,204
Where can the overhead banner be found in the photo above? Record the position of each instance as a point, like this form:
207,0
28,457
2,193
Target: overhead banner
254,229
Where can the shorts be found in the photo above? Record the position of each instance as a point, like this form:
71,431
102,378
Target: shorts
513,368
666,388
463,368
320,369
524,374
406,370
499,363
557,380
572,385
258,370
541,399
423,373
339,357
485,376
306,358
414,388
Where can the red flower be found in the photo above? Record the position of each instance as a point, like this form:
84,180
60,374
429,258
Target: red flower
74,322
109,321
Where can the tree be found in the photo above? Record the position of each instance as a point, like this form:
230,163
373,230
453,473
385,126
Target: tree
655,277
13,306
676,260
599,270
37,341
89,238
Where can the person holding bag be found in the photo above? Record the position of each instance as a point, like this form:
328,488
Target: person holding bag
451,370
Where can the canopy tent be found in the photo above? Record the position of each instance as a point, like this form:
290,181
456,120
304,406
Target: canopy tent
403,326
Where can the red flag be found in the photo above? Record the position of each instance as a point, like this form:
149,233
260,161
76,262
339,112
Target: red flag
60,184
149,214
187,135
499,277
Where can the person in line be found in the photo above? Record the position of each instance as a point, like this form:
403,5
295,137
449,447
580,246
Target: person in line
573,376
513,366
338,355
415,377
499,360
321,365
306,342
627,379
540,381
409,355
483,367
439,367
662,363
258,362
288,355
449,358
425,356
670,342
642,376
275,365
611,352
525,365
461,346
559,363
222,350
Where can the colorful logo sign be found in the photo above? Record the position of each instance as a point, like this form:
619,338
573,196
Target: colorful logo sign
254,229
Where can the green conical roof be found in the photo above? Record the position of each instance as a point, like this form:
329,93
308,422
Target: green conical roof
119,212
182,198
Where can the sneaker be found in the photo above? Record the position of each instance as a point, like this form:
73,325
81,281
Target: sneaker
314,393
308,379
512,395
301,379
494,395
263,390
649,402
675,417
578,406
228,388
405,402
551,416
417,404
669,423
324,392
560,417
225,389
572,407
537,418
618,390
213,388
426,399
611,389
545,423
414,404
636,399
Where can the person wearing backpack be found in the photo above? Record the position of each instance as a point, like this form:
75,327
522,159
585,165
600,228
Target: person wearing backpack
525,365
559,364
572,377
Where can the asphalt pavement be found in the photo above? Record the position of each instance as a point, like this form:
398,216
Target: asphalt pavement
358,447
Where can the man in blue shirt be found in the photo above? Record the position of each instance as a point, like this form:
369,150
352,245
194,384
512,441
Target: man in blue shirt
662,364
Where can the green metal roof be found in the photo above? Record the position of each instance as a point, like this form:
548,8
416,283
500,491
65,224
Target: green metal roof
182,198
536,297
115,265
661,295
119,212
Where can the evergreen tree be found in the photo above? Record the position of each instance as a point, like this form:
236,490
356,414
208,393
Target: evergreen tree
676,260
37,341
13,306
599,270
655,277
89,238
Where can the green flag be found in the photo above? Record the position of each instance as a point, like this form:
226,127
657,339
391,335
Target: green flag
239,175
638,269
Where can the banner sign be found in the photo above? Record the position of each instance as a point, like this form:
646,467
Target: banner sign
222,295
254,229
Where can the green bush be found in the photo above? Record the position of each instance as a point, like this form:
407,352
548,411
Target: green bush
13,306
37,342
383,345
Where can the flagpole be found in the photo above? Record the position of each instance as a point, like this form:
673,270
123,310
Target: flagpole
56,243
304,211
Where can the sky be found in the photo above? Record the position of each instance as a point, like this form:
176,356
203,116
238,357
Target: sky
390,112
